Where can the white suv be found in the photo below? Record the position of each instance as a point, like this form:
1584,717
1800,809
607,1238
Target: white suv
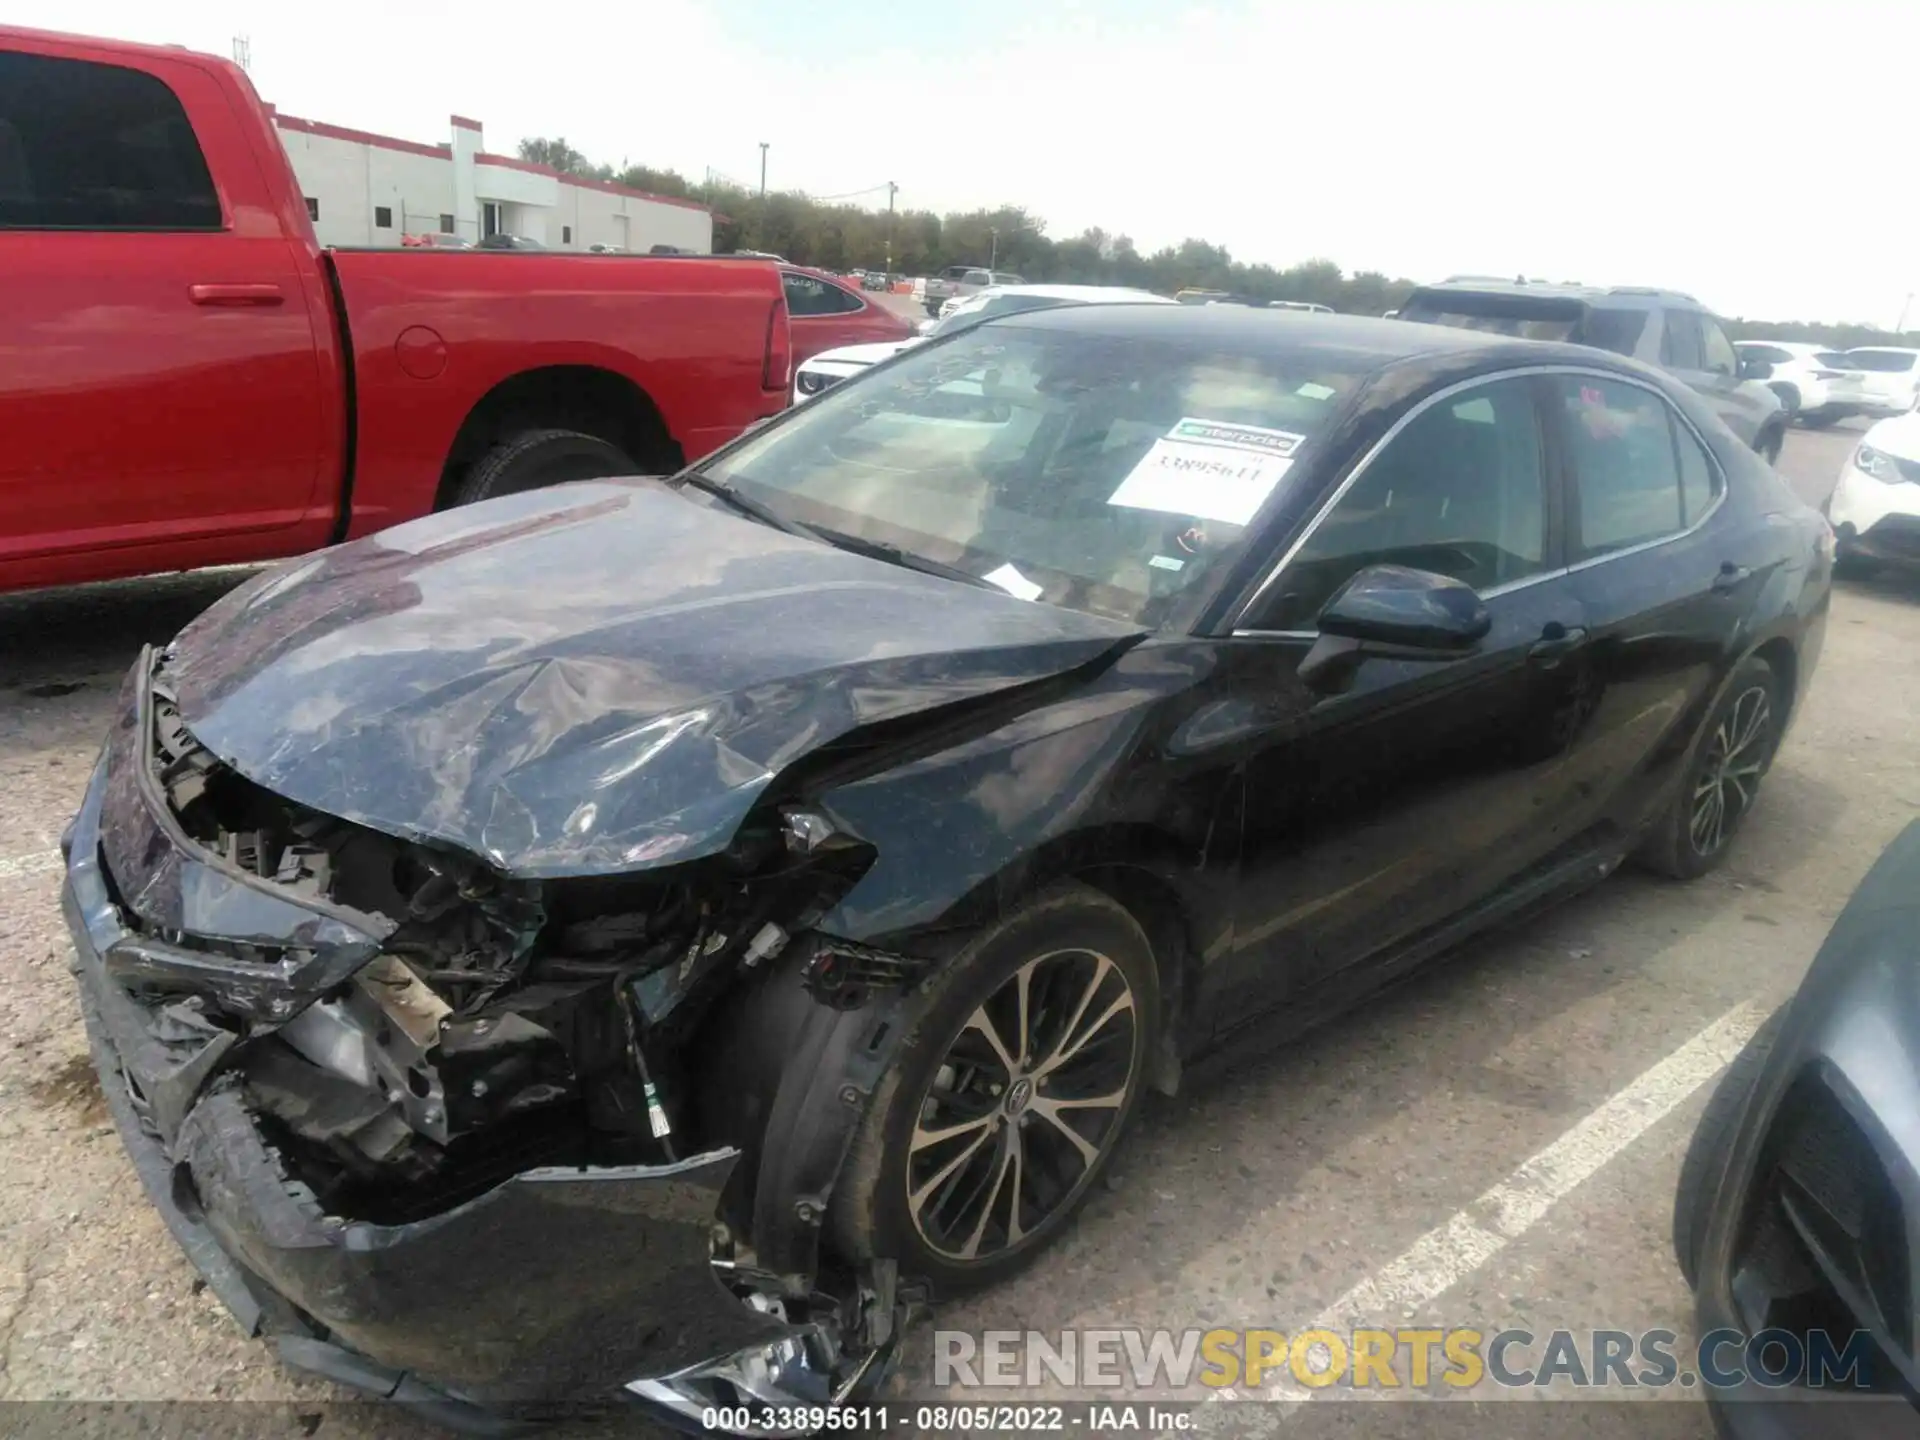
1892,376
1815,384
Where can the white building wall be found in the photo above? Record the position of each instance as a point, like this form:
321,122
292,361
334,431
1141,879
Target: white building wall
351,177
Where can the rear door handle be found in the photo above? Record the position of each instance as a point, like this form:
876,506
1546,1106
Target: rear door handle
231,295
1556,642
1729,577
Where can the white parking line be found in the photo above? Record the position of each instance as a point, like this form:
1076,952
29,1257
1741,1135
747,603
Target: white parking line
1453,1250
36,863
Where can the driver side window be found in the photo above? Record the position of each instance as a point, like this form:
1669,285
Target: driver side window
1460,491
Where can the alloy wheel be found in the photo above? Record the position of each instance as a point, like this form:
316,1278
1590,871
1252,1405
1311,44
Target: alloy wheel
1025,1102
1730,770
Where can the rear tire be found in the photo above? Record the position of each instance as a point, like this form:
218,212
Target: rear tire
926,1182
1712,1139
535,459
1730,759
1821,419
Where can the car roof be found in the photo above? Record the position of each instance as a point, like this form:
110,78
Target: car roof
1088,294
1633,295
1362,341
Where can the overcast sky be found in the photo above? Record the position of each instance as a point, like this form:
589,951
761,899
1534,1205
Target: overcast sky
1757,155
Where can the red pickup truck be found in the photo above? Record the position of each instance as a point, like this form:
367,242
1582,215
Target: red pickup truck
187,378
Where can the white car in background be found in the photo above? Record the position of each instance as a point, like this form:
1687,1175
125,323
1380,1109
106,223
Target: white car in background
1875,509
1892,376
830,367
1816,385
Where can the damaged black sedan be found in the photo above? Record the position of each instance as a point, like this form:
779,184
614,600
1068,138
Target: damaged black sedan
637,939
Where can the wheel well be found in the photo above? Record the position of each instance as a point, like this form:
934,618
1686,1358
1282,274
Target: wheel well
1156,906
1779,657
563,397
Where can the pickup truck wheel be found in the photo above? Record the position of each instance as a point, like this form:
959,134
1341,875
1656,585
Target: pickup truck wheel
534,459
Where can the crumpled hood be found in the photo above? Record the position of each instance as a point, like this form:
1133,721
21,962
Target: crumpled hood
602,677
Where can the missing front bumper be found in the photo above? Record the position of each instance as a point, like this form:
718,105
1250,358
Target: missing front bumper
556,1287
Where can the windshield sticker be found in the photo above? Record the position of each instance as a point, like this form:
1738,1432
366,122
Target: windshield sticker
1203,480
1167,562
1014,583
1314,390
1239,437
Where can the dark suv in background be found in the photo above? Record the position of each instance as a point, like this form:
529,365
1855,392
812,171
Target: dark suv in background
1662,327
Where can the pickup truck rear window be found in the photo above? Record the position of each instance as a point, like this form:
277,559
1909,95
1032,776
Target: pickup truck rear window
85,146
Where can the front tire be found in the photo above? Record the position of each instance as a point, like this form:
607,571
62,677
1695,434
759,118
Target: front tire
1722,781
1008,1096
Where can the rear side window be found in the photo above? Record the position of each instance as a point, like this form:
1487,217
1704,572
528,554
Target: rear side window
85,146
1639,472
810,295
1886,362
1772,354
1680,341
1615,330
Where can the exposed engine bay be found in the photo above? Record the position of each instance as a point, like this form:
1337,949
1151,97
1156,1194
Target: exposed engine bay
505,1023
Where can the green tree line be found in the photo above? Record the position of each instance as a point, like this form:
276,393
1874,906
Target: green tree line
839,235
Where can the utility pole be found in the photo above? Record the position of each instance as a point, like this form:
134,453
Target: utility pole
763,172
891,189
993,249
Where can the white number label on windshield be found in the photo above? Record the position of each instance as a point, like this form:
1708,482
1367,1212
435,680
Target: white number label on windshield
1210,471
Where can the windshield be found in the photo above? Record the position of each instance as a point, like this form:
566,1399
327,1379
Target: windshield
1885,361
1102,472
1545,321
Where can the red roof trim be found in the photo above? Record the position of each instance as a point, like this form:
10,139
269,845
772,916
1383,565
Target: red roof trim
461,122
586,183
362,137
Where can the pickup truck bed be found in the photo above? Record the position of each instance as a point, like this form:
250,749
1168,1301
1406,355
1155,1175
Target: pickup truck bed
187,378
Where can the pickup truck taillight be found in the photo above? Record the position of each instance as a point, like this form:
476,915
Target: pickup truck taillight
778,367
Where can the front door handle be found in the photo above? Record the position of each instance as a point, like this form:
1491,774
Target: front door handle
231,295
1729,577
1556,642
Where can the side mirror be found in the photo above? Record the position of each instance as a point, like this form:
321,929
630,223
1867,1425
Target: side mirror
1752,367
1390,612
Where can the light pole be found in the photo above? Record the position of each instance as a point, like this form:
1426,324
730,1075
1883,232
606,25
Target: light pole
891,189
763,172
993,247
1900,325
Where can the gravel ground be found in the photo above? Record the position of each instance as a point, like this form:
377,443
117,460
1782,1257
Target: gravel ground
1253,1201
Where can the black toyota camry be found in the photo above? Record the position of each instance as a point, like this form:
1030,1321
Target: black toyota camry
639,938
